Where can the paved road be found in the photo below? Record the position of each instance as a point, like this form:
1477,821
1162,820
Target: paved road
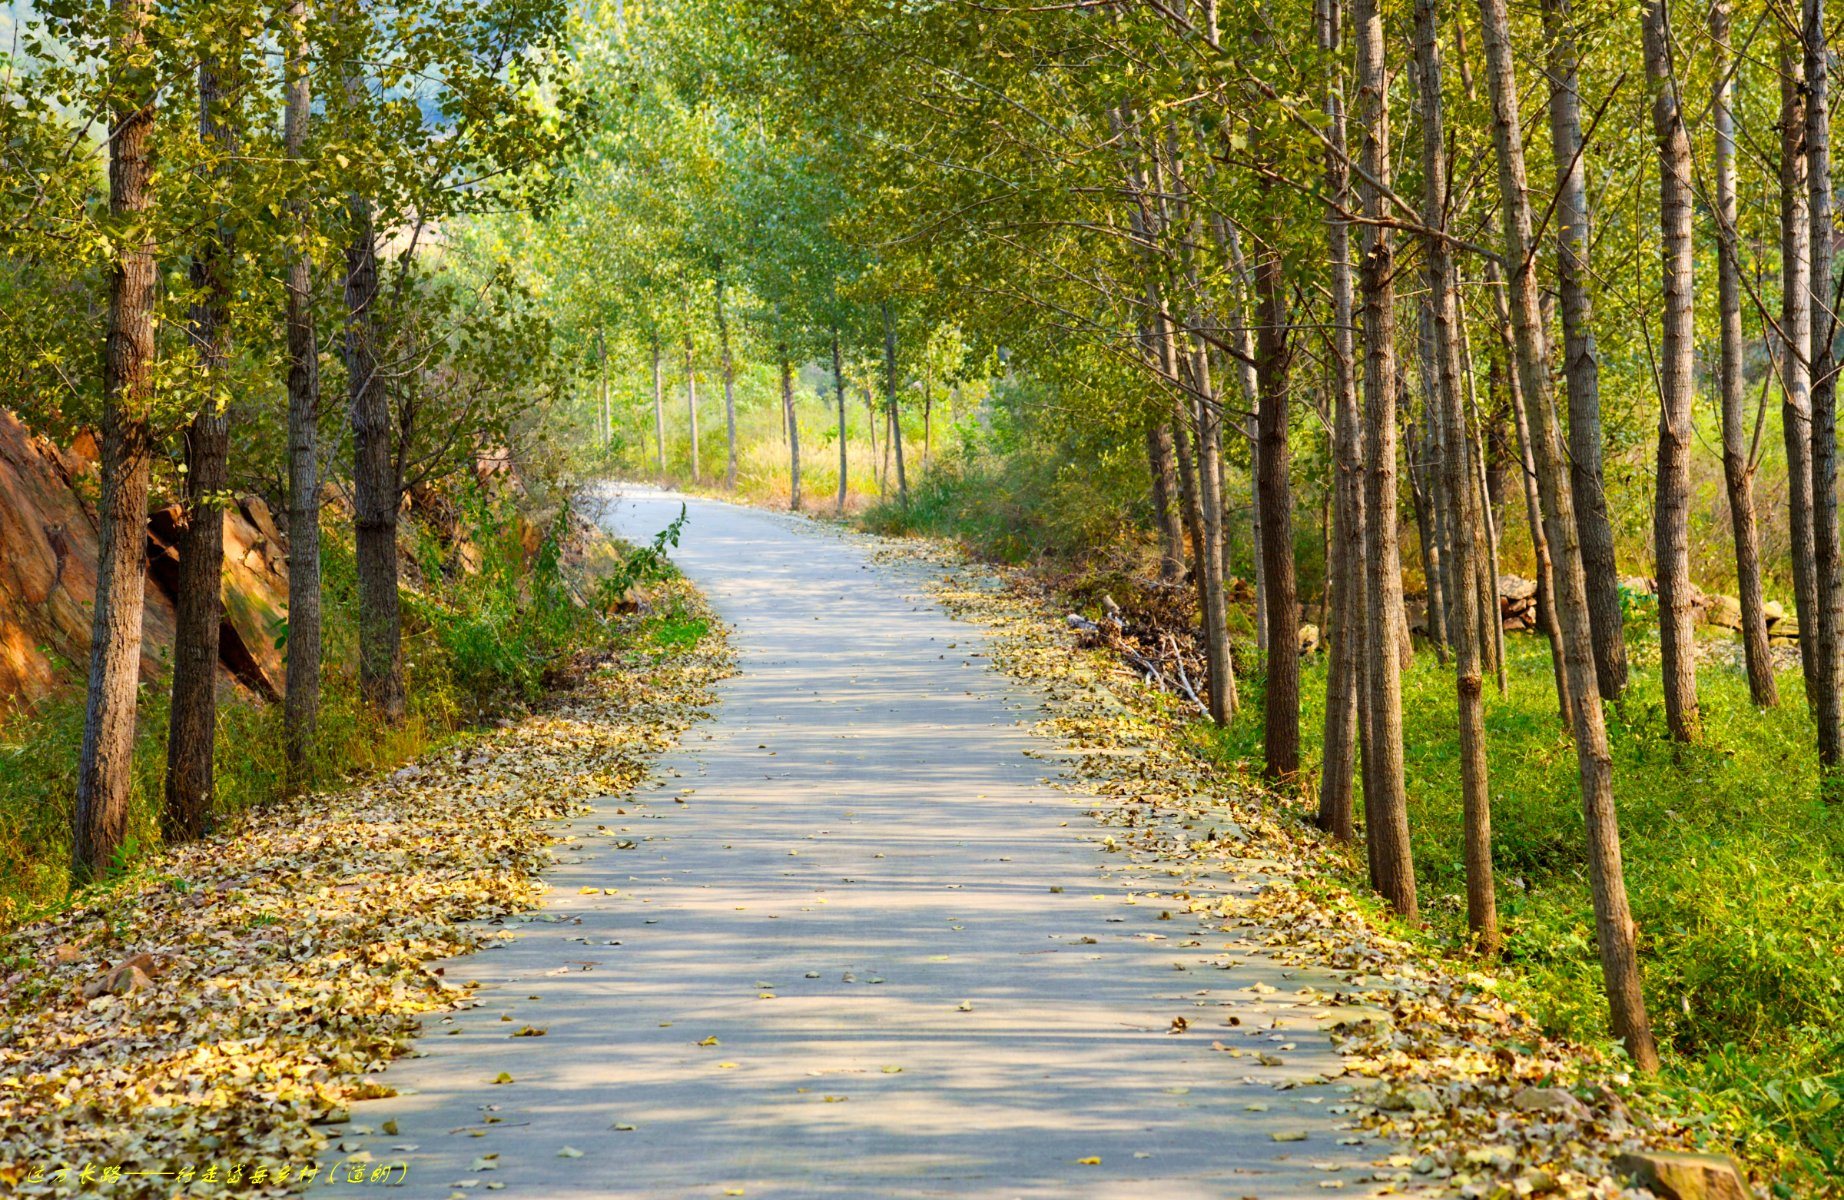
871,954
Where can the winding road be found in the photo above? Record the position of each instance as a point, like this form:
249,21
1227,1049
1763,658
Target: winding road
871,954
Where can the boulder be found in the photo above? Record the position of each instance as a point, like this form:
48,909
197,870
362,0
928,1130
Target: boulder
1673,1176
1724,611
254,591
1309,639
1638,585
1515,588
48,553
1773,612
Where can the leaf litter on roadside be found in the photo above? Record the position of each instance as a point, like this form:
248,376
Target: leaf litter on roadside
213,1008
1434,1059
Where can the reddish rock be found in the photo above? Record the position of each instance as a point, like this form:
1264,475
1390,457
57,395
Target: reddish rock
48,552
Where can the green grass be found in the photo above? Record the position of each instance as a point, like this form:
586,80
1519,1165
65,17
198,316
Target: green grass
1735,869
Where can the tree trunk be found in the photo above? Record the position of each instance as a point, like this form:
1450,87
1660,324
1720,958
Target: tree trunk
1580,360
105,769
1796,338
601,362
1165,501
1737,465
1547,616
1274,491
838,387
1443,362
723,334
1614,930
1828,573
1492,632
1677,397
787,413
1346,557
659,410
691,407
1392,870
374,478
1423,464
1436,445
896,416
301,700
198,603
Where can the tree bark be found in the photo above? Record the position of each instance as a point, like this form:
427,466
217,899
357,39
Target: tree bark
1274,489
838,387
198,602
1547,616
1424,464
1443,362
105,768
659,410
1677,398
1392,870
896,416
1795,343
723,334
1492,633
1165,501
1828,573
1737,465
1345,561
793,426
1580,360
301,698
691,406
374,478
1614,930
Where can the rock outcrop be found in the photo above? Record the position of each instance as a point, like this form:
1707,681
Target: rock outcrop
48,553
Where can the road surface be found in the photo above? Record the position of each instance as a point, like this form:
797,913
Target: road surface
871,954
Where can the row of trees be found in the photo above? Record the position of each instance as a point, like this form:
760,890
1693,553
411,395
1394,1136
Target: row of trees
1291,227
279,181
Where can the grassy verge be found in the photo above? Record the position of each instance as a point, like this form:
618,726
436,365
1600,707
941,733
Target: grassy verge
1736,872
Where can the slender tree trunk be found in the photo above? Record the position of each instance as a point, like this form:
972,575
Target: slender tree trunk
1423,463
1274,491
1385,804
601,366
691,408
793,427
1614,930
659,410
838,387
1437,443
105,768
896,416
1581,362
1828,573
198,604
1165,501
1547,616
374,478
1671,504
1796,339
1442,361
1346,558
1737,467
1252,392
1492,633
301,700
723,334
